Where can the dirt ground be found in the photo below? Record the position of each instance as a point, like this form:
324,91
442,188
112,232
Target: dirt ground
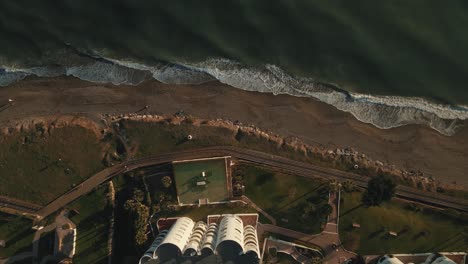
410,147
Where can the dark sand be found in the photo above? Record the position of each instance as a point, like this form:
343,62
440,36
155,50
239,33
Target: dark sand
411,147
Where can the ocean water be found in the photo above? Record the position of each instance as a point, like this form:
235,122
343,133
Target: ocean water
388,63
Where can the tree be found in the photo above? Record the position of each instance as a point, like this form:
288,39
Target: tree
308,210
349,186
316,260
358,260
379,189
326,210
138,195
166,181
138,214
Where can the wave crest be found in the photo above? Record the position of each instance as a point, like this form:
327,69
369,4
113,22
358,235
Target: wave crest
381,111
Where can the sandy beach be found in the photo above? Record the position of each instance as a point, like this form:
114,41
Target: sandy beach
410,147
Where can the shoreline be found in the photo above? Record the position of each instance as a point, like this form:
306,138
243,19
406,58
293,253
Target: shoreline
411,147
380,110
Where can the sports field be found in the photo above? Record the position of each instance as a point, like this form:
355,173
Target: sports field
188,174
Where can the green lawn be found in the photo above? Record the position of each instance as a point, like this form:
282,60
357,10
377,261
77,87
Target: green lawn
155,138
187,174
419,231
284,197
30,165
17,233
149,139
92,227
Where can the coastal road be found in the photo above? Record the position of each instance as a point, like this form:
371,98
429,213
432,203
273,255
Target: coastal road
255,157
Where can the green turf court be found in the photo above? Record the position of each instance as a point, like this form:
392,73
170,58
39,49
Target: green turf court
188,173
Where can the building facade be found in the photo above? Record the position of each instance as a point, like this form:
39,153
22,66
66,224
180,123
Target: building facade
228,238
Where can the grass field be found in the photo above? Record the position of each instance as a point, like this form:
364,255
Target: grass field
149,139
92,227
285,196
156,138
31,168
418,231
17,233
187,174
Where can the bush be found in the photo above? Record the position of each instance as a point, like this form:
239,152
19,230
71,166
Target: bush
326,210
379,189
349,186
166,181
413,207
138,214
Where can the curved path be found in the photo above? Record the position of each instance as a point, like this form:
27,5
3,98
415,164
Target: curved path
328,239
260,158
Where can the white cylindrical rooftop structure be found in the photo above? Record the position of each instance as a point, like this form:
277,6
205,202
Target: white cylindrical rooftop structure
151,252
251,240
179,233
229,239
198,233
438,259
209,241
389,259
231,228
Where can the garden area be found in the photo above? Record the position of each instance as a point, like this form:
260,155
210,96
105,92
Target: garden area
139,194
415,228
295,202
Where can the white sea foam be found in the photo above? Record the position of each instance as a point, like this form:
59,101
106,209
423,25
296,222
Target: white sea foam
7,77
93,71
168,73
105,72
381,111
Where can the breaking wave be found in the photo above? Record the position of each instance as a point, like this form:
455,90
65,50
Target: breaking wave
381,111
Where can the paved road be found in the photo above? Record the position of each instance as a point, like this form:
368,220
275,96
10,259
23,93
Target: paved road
260,158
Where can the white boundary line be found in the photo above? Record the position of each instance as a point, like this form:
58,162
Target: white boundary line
202,159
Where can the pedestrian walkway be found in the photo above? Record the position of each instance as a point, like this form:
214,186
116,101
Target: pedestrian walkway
288,248
328,239
260,210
